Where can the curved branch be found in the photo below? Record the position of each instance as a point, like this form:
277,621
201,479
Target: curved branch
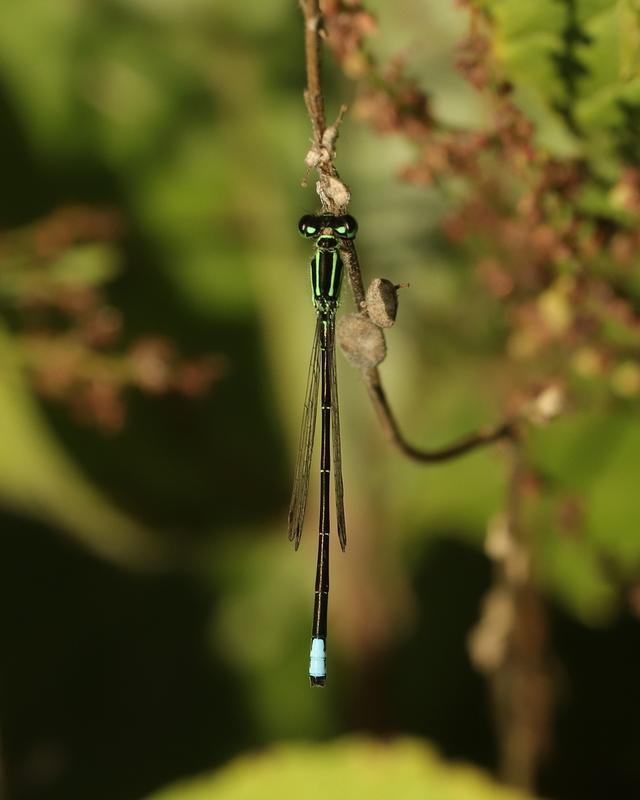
506,430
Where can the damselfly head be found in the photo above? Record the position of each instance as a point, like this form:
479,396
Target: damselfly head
313,226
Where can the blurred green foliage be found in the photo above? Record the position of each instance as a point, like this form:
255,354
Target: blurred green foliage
350,768
171,634
575,65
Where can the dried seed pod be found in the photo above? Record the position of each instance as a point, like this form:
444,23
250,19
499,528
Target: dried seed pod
361,341
382,302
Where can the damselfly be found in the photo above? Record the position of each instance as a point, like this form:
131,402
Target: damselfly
326,279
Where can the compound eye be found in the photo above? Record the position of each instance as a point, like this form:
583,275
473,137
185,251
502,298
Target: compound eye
346,226
309,225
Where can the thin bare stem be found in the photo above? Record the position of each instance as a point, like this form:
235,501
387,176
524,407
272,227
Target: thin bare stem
392,432
313,94
334,196
354,275
333,193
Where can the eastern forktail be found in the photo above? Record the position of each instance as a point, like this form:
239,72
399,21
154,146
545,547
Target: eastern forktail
326,277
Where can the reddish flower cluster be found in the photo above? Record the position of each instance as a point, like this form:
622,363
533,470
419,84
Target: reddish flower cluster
560,270
348,25
68,335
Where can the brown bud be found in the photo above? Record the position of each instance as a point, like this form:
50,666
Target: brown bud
361,341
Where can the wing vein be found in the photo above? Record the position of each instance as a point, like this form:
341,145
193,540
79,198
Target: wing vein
300,491
336,441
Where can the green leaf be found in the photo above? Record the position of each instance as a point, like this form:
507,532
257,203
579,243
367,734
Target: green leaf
574,64
575,451
593,458
405,769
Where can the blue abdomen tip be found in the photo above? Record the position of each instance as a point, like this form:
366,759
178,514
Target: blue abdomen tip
317,659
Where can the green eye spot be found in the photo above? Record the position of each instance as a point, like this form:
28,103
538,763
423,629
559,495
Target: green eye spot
341,230
308,225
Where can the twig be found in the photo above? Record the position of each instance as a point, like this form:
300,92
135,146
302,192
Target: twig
390,427
335,197
354,274
523,686
333,193
391,430
511,641
313,95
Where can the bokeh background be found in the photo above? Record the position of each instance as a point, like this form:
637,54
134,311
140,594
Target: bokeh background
154,347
